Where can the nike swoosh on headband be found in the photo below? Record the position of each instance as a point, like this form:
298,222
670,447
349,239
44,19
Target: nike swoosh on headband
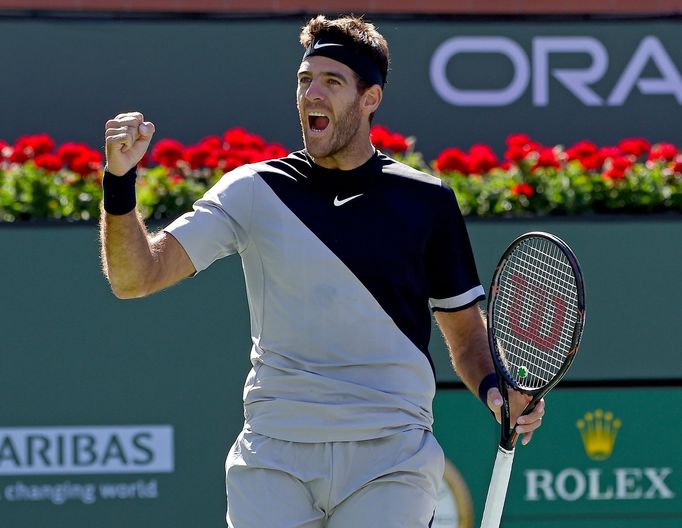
338,202
319,45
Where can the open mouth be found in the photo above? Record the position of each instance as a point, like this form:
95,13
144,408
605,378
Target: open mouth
317,121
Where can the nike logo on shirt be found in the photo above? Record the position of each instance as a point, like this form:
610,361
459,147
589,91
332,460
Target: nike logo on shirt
338,202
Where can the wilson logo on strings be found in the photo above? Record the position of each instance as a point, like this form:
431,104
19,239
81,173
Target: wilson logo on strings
533,324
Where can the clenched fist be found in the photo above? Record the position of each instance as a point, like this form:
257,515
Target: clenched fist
127,138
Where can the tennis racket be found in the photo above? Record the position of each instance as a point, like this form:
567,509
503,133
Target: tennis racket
536,313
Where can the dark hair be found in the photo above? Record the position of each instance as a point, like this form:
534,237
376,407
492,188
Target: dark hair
363,35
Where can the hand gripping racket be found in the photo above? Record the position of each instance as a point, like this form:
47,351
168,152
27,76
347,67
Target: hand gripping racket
536,312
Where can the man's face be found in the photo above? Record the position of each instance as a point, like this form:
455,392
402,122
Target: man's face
328,106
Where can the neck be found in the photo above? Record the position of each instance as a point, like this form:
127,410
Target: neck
350,158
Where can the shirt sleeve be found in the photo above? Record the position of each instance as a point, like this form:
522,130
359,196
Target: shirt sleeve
450,265
219,223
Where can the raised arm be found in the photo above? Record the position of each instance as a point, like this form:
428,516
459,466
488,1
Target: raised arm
135,263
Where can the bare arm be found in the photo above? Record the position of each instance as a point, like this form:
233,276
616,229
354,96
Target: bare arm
466,337
135,263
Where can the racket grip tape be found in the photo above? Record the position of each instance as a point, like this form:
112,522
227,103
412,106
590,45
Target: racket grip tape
497,491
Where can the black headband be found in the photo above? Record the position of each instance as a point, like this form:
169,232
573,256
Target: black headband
343,52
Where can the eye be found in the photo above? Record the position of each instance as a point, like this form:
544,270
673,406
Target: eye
333,82
303,79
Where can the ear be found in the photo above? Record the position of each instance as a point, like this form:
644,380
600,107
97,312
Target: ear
372,98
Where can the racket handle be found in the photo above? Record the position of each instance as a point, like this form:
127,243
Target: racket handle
497,491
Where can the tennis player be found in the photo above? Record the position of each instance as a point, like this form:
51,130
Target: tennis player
345,253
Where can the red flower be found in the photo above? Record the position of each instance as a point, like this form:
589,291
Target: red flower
593,162
81,165
452,159
144,162
516,153
95,156
383,139
617,168
546,158
252,155
256,142
482,159
19,155
398,143
167,152
200,156
677,167
519,147
212,142
634,146
609,152
41,144
236,138
228,159
5,150
663,152
518,140
522,189
582,149
274,150
378,135
68,152
86,163
49,162
78,158
587,153
28,147
176,179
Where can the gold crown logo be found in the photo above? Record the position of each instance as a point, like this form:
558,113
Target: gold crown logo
598,430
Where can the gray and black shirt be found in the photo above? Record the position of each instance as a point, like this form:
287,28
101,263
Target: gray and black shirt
342,269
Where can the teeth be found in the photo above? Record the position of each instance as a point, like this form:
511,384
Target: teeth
317,114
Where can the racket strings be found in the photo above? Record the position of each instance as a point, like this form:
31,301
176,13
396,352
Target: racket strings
552,282
540,364
536,312
544,362
555,274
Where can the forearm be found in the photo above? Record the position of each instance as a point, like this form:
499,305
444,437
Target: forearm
467,341
471,361
127,255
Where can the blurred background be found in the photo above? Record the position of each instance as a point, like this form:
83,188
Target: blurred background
561,117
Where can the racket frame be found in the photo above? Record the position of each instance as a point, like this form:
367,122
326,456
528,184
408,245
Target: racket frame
497,490
508,436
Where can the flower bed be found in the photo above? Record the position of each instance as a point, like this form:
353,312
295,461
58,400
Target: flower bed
40,180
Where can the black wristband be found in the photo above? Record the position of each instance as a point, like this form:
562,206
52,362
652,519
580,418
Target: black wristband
118,192
486,384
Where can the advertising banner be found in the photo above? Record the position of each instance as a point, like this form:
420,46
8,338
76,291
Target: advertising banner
603,458
27,455
452,82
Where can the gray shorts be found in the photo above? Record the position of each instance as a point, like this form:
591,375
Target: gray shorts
390,482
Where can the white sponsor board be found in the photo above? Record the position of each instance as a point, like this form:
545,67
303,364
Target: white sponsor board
74,450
